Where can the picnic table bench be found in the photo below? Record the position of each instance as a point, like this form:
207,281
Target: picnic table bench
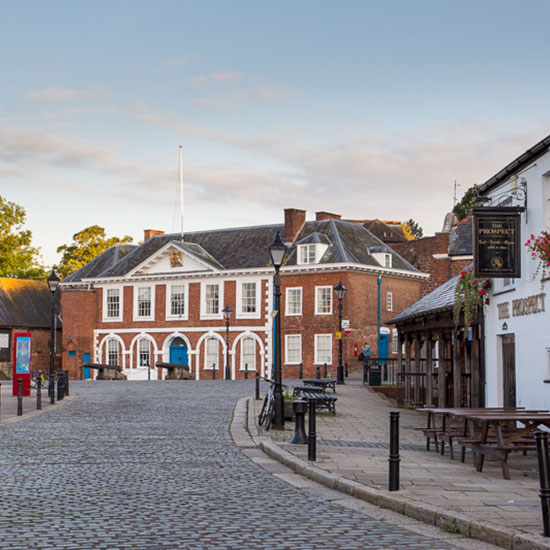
322,400
324,382
313,389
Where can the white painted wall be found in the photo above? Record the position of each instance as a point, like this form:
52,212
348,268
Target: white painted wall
532,332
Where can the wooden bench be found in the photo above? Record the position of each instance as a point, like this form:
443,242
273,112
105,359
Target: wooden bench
298,390
324,382
322,400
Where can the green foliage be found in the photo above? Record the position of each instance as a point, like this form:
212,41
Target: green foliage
87,244
18,258
462,208
414,229
470,294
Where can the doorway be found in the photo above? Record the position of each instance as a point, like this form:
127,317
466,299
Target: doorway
509,370
178,352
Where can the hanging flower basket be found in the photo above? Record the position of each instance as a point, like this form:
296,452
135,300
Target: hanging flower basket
539,247
470,293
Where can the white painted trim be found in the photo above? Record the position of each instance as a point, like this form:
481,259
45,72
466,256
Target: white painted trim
112,336
440,256
316,350
317,289
221,303
240,314
287,301
118,319
286,362
168,308
152,330
135,290
468,257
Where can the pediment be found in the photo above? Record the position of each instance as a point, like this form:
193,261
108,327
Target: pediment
176,258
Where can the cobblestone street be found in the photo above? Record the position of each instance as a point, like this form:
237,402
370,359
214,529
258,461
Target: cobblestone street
153,465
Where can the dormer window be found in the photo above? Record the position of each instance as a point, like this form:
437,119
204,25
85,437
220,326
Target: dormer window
383,258
307,253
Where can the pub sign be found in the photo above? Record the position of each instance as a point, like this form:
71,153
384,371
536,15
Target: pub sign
497,242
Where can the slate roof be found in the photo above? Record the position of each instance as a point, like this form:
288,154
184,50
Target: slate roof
101,263
25,303
441,299
460,238
247,247
385,232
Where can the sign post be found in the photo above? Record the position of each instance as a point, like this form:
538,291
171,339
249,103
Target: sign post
22,362
497,242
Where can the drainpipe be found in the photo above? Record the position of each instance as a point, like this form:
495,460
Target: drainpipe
379,311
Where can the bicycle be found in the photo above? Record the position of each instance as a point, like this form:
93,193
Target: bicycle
267,414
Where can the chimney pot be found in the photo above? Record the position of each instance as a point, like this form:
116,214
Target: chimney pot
148,233
294,219
319,216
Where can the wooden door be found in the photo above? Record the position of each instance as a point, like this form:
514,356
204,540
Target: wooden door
509,370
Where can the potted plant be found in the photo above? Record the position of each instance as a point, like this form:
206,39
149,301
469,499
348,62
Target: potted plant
540,251
470,293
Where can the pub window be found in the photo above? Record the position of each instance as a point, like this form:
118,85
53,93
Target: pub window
144,353
113,355
248,353
113,303
212,355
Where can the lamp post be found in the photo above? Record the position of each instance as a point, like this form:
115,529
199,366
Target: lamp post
277,250
227,311
340,291
53,283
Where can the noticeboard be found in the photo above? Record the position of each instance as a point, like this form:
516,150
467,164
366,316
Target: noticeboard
22,361
496,240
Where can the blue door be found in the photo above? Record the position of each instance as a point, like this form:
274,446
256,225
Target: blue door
86,359
178,352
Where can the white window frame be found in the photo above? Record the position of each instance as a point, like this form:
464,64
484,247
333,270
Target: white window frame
305,255
141,352
207,362
288,313
247,314
317,359
184,316
120,290
389,301
218,315
109,351
317,292
296,338
137,316
251,366
394,341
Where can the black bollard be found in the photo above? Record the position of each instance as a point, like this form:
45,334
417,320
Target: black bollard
346,369
66,382
325,372
246,371
394,451
19,397
318,373
257,392
312,434
541,439
51,389
301,371
39,391
60,385
213,371
299,406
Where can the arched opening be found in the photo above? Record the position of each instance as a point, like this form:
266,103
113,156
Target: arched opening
178,352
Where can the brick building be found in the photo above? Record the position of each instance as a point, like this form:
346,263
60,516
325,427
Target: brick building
25,306
163,300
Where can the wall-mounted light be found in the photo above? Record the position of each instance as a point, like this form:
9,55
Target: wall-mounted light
504,326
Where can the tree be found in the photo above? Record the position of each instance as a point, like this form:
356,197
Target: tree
18,259
412,230
87,244
462,208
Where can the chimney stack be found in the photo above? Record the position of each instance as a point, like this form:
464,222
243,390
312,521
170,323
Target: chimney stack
294,219
319,216
148,233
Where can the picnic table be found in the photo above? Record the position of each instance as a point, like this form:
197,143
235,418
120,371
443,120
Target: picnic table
508,436
324,382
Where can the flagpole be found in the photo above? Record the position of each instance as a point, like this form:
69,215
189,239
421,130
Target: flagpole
181,189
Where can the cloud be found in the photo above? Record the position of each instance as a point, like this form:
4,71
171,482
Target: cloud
215,79
233,100
64,95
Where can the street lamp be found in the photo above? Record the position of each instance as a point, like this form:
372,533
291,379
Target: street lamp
227,311
277,250
340,291
53,283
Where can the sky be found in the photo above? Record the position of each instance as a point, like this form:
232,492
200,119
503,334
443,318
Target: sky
365,108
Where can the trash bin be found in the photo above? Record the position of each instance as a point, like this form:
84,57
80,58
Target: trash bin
374,374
